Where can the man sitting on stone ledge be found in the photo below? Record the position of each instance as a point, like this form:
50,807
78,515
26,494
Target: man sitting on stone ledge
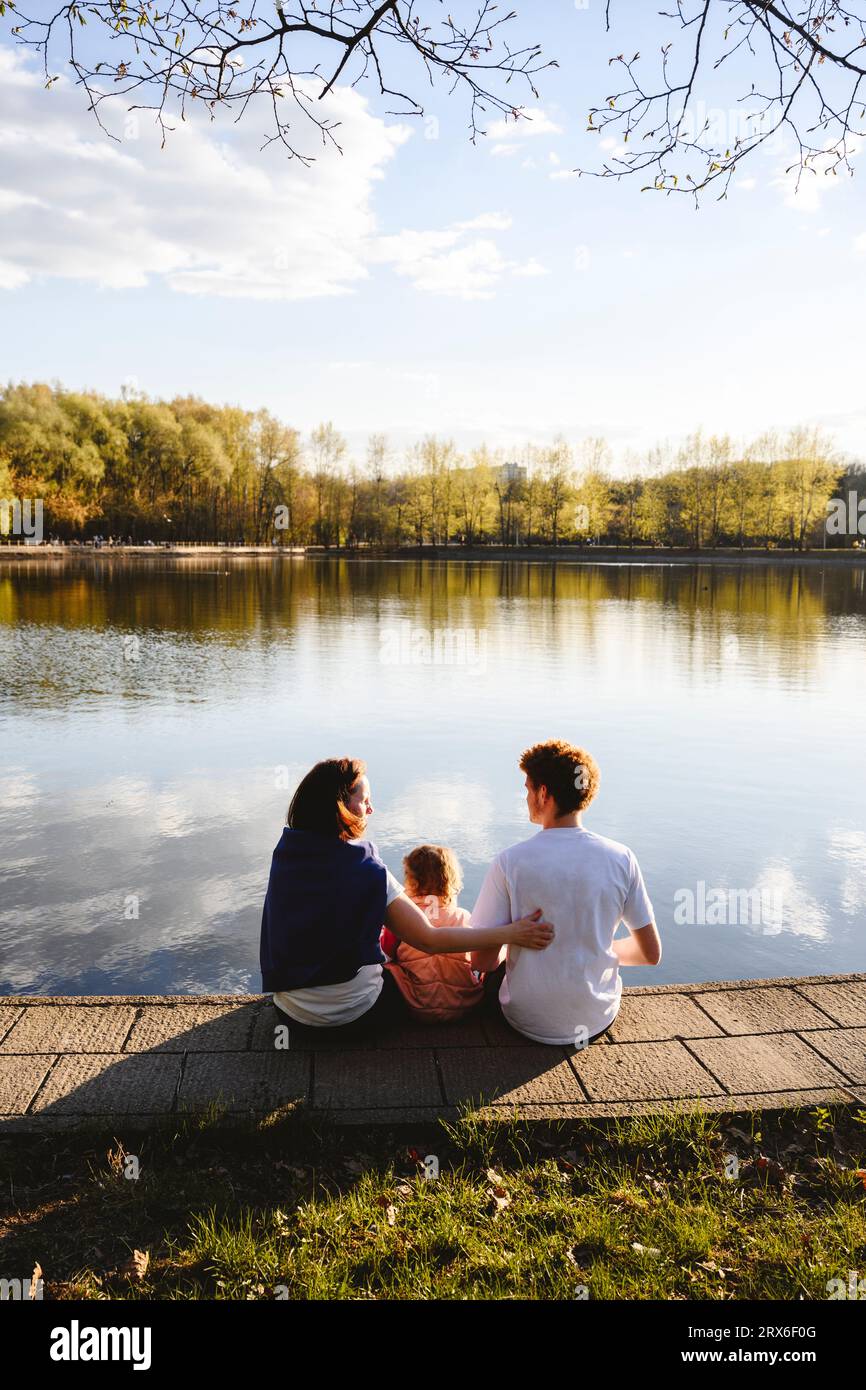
585,885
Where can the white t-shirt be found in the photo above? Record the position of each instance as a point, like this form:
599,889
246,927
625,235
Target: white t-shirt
585,885
327,1006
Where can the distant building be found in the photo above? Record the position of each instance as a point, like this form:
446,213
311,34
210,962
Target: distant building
510,473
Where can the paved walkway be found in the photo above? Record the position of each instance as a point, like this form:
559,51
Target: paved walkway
144,1059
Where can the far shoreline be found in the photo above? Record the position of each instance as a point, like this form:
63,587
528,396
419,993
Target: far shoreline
657,556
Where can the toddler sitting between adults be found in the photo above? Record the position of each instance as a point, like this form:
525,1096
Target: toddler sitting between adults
436,988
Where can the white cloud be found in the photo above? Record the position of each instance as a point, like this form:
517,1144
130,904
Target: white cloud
444,262
805,189
533,121
469,272
210,213
531,267
12,277
487,222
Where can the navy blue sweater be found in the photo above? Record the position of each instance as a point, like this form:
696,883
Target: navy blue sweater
323,912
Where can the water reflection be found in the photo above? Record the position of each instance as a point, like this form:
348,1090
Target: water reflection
157,713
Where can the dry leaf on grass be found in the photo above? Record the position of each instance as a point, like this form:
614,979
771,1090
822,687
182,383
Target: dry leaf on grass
498,1193
136,1265
388,1207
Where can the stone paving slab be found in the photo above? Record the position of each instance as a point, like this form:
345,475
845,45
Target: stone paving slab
594,1109
719,1045
109,1085
8,1016
20,1079
368,1079
845,1048
68,1028
191,1028
844,1002
770,1062
243,1081
655,1019
762,1010
509,1076
643,1071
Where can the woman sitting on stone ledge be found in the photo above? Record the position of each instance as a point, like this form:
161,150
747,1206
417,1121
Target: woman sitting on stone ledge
329,894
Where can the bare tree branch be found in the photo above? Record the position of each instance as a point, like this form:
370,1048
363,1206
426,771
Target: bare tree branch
814,54
801,63
168,55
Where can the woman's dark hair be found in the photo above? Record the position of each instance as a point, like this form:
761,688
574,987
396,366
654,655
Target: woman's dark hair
319,803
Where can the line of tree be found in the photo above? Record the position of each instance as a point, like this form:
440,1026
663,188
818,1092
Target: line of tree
186,470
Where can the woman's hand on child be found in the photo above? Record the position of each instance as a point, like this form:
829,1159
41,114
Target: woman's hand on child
531,931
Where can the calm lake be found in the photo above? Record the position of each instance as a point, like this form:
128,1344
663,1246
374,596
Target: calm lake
157,713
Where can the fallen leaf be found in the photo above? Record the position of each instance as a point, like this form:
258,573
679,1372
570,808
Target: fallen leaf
499,1195
136,1265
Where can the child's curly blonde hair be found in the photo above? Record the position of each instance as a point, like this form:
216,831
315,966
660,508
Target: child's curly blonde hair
433,871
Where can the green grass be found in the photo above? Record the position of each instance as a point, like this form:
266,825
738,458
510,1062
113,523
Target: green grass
639,1208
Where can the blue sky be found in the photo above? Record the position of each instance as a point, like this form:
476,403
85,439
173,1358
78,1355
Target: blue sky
421,284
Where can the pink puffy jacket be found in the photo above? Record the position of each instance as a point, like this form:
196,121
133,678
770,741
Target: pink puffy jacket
436,988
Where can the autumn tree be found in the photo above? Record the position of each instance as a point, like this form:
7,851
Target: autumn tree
327,449
810,471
